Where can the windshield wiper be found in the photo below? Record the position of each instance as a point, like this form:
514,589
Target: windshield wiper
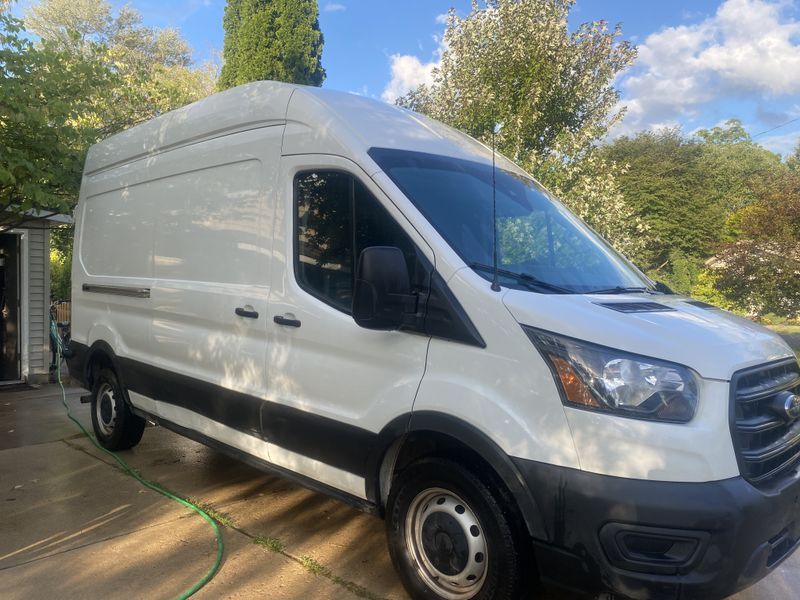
620,290
525,279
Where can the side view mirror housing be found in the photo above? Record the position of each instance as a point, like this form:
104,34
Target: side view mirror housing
382,293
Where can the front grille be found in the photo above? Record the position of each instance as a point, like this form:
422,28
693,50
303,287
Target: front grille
767,441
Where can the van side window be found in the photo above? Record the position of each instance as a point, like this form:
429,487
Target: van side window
336,217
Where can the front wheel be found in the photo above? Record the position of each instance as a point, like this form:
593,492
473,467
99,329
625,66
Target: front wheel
115,426
451,537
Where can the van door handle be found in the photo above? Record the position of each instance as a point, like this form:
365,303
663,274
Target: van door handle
246,313
281,320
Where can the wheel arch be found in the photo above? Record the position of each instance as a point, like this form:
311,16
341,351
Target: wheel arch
428,433
100,355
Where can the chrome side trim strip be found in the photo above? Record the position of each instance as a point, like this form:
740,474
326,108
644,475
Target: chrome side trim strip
117,290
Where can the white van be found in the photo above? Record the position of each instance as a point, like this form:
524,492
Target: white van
304,279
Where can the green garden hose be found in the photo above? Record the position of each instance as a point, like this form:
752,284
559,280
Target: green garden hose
130,471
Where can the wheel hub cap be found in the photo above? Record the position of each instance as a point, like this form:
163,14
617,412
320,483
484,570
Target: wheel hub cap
445,543
106,409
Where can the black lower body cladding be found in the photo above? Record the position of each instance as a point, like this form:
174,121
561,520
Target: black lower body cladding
660,540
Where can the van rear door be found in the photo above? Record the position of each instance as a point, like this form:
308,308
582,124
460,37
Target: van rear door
332,384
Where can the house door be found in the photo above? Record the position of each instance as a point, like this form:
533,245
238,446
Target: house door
9,308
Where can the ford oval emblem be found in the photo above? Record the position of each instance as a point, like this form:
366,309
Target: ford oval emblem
791,406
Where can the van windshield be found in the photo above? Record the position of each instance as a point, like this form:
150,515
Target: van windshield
541,246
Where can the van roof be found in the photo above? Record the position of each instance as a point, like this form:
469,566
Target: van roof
317,121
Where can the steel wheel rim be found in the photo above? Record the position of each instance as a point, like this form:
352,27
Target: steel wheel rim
106,409
448,544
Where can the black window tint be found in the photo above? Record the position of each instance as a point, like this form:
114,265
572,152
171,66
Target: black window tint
324,262
327,232
375,227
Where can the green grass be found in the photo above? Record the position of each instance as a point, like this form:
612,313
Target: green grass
791,333
220,517
795,329
270,543
312,566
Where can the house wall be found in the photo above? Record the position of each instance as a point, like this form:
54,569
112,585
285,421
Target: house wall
38,303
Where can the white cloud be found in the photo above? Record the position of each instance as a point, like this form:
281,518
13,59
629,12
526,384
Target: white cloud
408,72
442,19
334,7
782,144
748,49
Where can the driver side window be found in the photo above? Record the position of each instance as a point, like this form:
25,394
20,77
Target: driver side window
336,217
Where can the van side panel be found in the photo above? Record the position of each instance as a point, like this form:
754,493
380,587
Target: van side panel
195,226
114,253
213,244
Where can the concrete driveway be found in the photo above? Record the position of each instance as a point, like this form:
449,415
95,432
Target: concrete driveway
73,525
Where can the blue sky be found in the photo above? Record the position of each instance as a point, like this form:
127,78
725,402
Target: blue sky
700,61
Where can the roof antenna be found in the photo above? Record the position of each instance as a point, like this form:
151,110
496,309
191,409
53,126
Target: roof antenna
495,286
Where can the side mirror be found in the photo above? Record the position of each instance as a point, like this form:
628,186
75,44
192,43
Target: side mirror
382,293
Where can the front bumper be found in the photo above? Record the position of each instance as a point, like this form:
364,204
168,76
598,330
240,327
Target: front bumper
660,540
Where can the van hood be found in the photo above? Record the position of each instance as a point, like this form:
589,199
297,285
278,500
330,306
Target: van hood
713,342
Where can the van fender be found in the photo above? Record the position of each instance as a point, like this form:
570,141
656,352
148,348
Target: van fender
100,333
391,438
101,348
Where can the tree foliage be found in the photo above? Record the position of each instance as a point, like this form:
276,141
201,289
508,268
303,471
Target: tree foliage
90,74
665,184
45,109
516,62
272,39
761,269
793,161
688,190
152,67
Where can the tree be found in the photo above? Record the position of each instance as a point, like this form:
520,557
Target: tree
666,186
761,270
793,162
515,62
688,190
735,166
272,39
45,125
152,67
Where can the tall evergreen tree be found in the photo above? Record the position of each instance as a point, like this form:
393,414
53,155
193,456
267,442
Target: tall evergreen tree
272,39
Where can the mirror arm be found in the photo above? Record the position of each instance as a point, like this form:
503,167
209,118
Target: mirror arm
410,302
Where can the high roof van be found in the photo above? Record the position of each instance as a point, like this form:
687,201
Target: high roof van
306,280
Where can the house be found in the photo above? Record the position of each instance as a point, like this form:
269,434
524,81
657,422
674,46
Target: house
25,301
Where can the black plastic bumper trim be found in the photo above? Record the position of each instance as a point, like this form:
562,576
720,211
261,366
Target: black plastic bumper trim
744,532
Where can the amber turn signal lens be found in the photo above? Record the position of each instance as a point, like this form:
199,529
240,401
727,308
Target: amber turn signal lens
575,390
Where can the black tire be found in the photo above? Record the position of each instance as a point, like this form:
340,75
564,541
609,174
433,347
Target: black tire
454,516
115,426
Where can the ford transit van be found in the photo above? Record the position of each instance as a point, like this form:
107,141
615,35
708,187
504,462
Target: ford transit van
306,280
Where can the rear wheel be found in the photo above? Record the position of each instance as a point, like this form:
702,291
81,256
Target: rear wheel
452,537
115,426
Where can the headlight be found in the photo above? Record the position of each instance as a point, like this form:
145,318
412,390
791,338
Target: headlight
599,378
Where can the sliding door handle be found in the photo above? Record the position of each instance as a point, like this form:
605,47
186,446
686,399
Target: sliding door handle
286,321
247,312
